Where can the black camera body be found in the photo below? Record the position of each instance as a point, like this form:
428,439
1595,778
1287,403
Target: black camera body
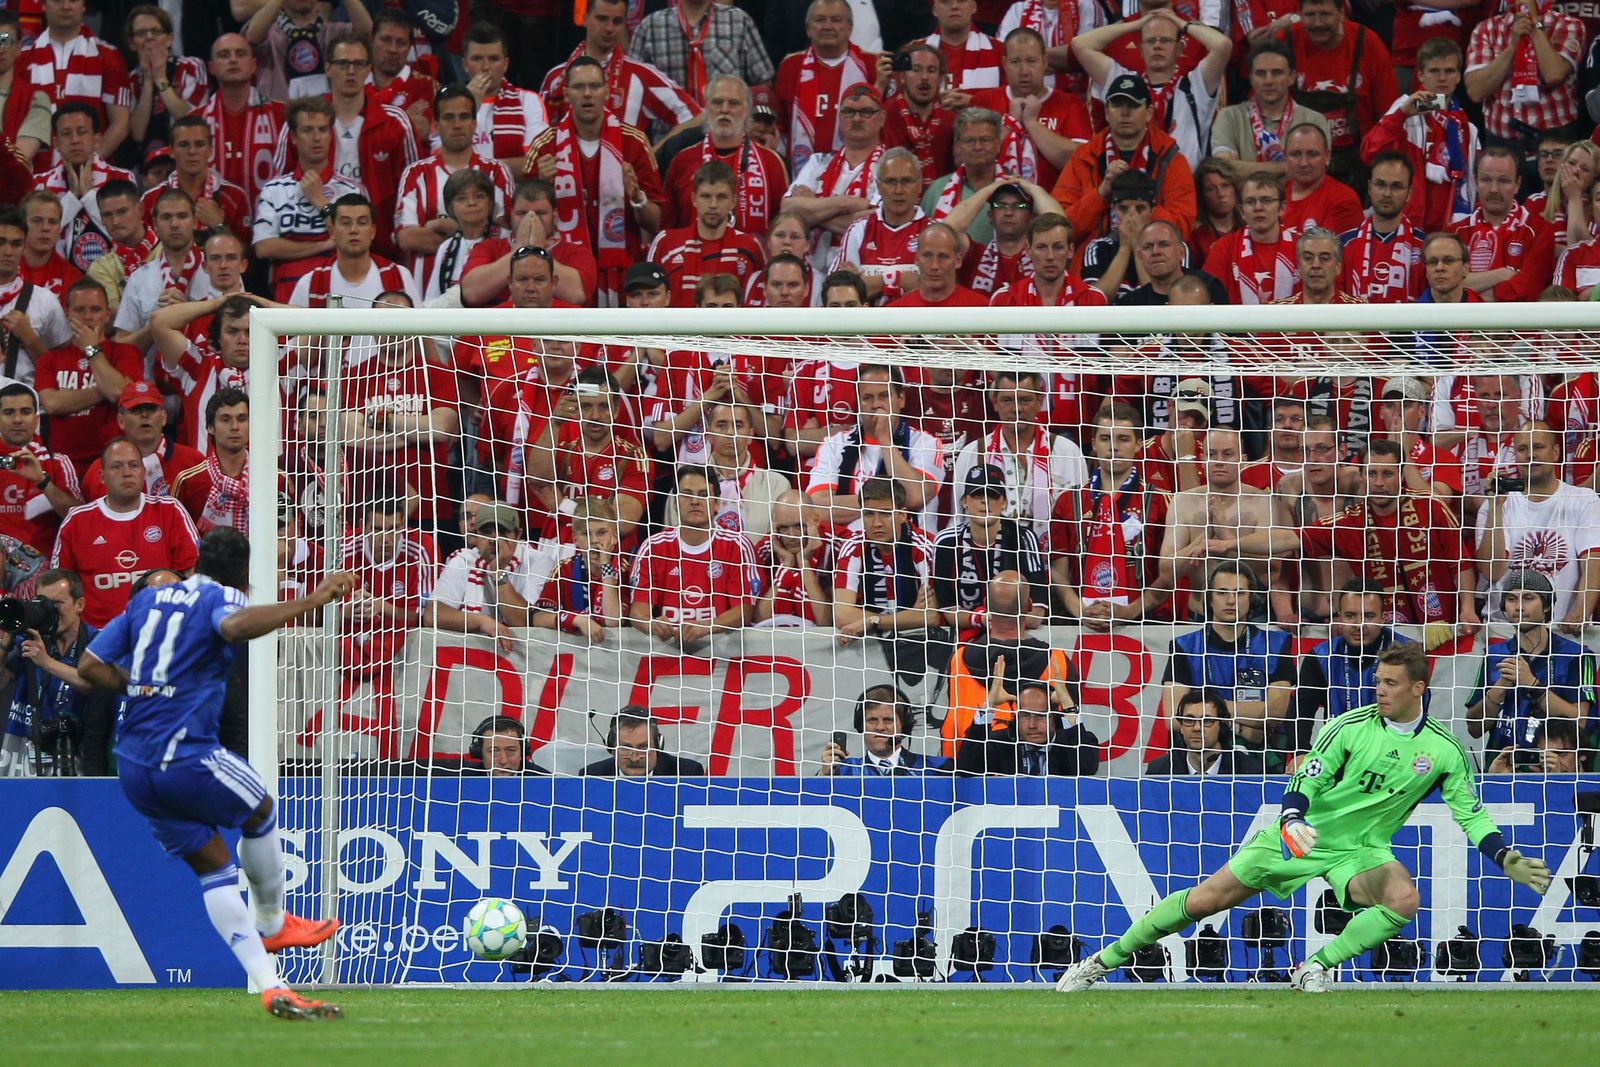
603,929
669,956
900,63
1459,956
723,949
20,616
972,950
1206,955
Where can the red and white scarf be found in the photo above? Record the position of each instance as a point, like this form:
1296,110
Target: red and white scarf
1140,160
1033,18
137,256
1269,143
1367,286
950,196
751,192
997,453
858,185
185,273
1525,80
611,197
695,69
854,70
228,500
1017,152
1483,240
1284,274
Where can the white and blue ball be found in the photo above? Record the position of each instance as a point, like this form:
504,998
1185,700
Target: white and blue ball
495,929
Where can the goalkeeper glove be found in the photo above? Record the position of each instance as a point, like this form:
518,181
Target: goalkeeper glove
1528,871
1298,837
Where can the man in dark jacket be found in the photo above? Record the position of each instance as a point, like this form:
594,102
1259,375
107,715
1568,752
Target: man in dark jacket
1207,741
635,746
1043,737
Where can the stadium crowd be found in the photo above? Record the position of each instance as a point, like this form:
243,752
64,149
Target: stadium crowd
169,168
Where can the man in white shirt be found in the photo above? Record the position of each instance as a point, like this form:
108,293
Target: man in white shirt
1037,464
883,443
29,331
487,587
1548,526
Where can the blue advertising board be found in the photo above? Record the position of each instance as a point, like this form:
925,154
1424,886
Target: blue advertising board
87,899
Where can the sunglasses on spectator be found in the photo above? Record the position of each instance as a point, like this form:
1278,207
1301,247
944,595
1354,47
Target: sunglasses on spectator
533,250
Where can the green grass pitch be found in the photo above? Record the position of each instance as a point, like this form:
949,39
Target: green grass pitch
813,1027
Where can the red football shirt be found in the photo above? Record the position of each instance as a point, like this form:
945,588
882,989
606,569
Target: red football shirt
687,257
110,549
413,391
1378,548
684,583
1332,205
80,435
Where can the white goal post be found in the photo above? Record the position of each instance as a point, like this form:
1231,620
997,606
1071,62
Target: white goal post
403,885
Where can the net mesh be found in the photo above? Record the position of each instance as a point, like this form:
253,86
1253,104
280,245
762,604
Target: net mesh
800,580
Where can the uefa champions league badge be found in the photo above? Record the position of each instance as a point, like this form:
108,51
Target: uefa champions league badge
613,227
1421,765
1312,768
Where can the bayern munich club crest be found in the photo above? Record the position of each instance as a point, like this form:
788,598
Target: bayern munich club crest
1102,576
613,227
1421,765
152,534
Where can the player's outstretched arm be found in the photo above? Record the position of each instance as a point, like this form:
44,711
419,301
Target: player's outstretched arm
258,619
1460,791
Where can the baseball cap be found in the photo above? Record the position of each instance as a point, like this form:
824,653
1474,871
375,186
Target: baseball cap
645,275
762,105
499,515
986,479
863,89
138,395
1130,87
1133,185
1011,189
1406,388
1192,394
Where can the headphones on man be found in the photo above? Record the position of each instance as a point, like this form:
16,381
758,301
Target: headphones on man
494,724
633,711
887,694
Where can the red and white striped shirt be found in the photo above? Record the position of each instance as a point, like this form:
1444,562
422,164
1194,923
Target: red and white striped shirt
1383,270
1579,267
508,122
84,69
873,246
687,257
422,189
870,570
639,92
976,65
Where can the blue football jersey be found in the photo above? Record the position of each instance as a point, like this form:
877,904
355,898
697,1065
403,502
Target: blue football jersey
169,643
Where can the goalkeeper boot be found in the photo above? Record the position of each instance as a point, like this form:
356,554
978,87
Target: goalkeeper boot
300,933
1082,975
1311,977
287,1004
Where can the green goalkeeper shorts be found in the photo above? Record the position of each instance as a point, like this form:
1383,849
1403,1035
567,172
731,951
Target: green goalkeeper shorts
1260,865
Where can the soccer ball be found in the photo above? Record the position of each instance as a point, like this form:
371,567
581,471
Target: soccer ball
495,929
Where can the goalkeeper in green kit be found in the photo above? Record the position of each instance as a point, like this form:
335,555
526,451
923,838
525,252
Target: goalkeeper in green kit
1366,773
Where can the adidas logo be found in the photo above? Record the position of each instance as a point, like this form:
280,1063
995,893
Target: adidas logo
1393,753
99,540
235,939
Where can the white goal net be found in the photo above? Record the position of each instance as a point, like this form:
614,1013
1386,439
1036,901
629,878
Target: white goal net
911,645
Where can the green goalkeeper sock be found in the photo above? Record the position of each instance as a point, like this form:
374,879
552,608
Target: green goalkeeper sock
1368,929
1167,917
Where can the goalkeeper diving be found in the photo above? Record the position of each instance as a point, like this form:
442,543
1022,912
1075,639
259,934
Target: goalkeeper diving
1362,779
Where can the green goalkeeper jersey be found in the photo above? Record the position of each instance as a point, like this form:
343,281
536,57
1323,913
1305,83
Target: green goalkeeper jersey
1362,780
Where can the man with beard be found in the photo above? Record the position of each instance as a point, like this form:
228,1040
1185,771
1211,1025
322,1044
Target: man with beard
760,176
1510,250
1383,256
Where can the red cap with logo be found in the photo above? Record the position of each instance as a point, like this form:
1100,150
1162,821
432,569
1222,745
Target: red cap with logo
138,395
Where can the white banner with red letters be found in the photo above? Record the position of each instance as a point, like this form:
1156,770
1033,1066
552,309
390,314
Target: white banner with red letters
755,702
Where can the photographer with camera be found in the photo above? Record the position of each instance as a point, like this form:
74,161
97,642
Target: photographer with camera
1554,750
1532,678
43,638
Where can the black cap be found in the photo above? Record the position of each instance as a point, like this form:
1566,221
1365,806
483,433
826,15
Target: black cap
986,479
1013,189
1133,185
644,276
1130,86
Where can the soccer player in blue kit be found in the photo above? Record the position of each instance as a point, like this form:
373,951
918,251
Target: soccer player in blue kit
172,651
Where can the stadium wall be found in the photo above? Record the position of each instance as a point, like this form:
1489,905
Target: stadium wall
88,900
